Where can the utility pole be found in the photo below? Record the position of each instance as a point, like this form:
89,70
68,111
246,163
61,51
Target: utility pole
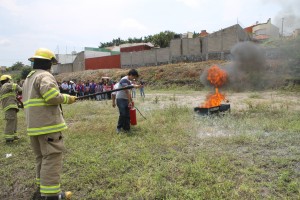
282,27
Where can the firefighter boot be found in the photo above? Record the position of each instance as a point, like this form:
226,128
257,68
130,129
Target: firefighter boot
10,140
16,137
62,196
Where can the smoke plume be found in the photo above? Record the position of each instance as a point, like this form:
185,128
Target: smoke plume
288,18
248,69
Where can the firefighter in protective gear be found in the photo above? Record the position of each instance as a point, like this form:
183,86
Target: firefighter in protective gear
43,114
44,54
8,95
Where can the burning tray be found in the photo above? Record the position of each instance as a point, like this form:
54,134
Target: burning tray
212,110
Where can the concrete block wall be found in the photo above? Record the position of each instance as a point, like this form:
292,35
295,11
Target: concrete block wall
65,68
243,35
176,47
191,46
145,58
225,39
65,58
163,55
230,38
137,58
54,69
79,62
204,45
215,46
149,57
126,59
215,42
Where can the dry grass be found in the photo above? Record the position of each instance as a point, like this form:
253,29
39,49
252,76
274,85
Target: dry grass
251,153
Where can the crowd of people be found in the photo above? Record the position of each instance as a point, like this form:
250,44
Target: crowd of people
82,88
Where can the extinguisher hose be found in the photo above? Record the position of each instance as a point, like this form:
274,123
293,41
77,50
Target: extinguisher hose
140,112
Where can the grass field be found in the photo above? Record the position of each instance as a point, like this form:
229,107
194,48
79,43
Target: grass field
253,152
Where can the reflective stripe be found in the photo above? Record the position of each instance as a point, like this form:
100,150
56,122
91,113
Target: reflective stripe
14,87
65,98
50,94
8,136
7,95
46,129
35,102
10,106
32,72
50,189
37,181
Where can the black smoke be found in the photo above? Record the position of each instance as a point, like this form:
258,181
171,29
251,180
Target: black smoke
248,70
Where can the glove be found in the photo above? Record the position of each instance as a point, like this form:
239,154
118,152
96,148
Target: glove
71,99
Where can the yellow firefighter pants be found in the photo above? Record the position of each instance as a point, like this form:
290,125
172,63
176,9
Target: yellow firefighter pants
48,150
11,123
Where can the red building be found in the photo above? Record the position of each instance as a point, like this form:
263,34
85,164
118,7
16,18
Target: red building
203,33
105,62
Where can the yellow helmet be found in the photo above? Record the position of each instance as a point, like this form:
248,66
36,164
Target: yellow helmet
5,77
43,53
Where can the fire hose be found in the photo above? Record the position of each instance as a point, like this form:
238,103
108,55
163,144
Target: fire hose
119,89
110,91
140,112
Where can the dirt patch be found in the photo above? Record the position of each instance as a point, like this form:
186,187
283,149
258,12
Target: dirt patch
239,102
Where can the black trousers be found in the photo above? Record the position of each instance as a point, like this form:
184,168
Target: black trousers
124,117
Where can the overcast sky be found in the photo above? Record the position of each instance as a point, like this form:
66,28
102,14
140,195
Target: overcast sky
70,25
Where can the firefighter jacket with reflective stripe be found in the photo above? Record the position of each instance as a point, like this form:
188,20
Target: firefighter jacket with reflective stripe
42,99
8,93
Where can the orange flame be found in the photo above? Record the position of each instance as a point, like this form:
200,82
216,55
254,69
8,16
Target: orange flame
217,77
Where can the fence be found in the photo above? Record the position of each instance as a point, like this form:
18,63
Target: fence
214,47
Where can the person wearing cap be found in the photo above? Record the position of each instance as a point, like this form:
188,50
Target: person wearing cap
72,88
45,123
8,99
65,87
124,100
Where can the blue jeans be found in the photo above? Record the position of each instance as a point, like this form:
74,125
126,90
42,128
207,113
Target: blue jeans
124,117
142,92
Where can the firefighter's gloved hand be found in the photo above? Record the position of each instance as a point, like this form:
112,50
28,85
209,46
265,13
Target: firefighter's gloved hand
71,99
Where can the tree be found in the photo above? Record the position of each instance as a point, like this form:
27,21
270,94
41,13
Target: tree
163,39
17,66
25,71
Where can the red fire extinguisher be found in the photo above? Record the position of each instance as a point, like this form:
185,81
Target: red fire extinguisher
132,113
19,101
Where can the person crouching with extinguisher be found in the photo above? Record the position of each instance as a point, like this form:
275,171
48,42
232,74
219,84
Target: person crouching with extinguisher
124,100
